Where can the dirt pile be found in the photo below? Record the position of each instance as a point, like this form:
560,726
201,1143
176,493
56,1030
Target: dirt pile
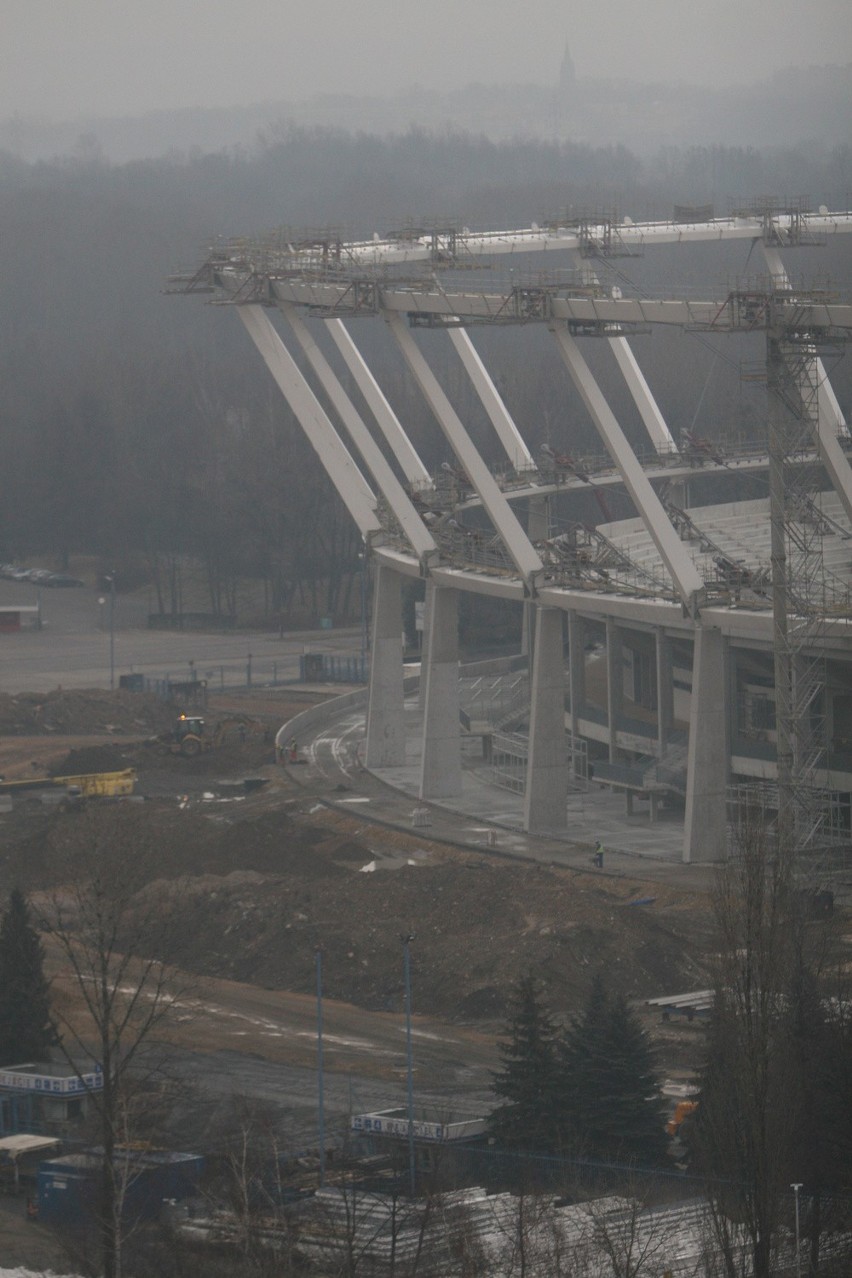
78,712
254,893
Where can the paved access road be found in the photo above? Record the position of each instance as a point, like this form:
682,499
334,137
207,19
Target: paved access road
73,648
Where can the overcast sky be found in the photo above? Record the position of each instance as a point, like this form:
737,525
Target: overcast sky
64,59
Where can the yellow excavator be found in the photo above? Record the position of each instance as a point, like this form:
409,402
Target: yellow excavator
190,735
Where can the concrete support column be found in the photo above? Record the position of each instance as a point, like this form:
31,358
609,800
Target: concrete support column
614,683
576,668
428,604
705,825
440,776
665,691
385,709
545,802
538,528
528,627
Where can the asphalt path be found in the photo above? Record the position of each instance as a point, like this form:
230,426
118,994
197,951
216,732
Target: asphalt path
72,650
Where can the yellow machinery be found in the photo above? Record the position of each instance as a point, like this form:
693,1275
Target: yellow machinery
87,785
190,736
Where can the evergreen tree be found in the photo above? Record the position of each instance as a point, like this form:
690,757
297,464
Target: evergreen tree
528,1081
610,1104
26,1032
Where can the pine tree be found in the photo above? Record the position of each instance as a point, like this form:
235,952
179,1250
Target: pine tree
26,1032
610,1102
528,1081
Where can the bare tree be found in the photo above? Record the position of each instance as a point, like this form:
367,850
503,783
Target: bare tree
111,928
766,1107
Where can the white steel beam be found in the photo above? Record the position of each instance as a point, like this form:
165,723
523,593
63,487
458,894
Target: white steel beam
351,485
713,315
509,435
389,424
829,415
504,519
398,500
655,423
535,239
683,572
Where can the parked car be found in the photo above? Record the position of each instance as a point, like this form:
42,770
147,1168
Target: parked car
62,579
39,576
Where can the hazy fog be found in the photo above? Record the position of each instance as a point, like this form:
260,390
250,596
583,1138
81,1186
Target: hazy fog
99,58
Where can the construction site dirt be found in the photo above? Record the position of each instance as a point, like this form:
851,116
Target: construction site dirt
260,877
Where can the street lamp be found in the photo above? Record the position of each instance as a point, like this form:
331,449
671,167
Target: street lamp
362,558
795,1189
406,967
111,579
320,1095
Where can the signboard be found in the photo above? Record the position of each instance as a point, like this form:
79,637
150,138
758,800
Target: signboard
384,1125
70,1086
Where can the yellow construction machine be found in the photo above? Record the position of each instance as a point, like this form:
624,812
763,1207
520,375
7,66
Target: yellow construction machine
191,736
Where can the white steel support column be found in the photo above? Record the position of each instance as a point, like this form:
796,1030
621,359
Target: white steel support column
504,519
440,775
397,498
545,799
655,423
683,572
614,684
705,824
389,424
386,710
830,415
509,435
332,452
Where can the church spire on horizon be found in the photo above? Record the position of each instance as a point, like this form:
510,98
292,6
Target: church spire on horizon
567,71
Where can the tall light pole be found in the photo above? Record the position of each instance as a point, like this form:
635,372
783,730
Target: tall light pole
320,1090
795,1189
362,557
111,580
409,1060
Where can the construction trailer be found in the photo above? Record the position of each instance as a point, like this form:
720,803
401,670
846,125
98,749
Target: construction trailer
20,1157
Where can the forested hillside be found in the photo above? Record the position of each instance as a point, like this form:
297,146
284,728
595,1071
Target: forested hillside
141,428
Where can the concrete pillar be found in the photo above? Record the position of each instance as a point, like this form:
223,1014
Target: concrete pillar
440,776
545,801
424,640
538,528
527,627
385,708
614,683
665,691
538,518
576,668
705,826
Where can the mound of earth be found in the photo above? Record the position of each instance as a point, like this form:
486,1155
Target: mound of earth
251,894
98,758
79,711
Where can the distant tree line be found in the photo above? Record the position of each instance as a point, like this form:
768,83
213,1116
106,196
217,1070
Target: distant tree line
143,429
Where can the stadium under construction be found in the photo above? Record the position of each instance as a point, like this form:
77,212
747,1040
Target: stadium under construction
695,655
